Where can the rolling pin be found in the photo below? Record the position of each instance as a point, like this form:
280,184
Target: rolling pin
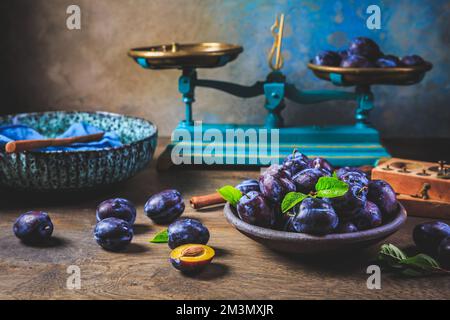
27,145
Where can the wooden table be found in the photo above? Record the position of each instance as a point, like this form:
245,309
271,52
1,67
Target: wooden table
242,269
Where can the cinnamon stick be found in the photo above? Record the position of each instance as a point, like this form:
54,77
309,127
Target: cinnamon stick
26,145
206,201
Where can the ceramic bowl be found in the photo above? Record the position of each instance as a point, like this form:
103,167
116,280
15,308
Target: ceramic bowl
301,243
78,170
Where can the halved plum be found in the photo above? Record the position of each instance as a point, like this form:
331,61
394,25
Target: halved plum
191,258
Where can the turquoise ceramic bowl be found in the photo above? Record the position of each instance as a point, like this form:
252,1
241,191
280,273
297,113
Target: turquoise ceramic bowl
76,170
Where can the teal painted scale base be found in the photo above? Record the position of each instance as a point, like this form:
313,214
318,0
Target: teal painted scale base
354,145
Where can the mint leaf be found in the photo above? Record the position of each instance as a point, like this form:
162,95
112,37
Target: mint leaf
161,237
230,194
335,175
330,187
291,200
417,266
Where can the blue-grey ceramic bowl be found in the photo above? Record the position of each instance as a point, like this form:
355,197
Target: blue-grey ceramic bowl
78,170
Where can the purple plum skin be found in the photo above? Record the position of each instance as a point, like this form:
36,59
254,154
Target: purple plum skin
427,236
275,184
314,216
341,171
413,61
368,217
382,194
348,205
116,208
365,47
444,253
355,61
327,58
355,178
296,162
165,207
254,209
346,227
248,185
322,164
113,234
306,180
33,227
186,231
389,61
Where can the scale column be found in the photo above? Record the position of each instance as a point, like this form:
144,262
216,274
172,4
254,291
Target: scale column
186,87
365,101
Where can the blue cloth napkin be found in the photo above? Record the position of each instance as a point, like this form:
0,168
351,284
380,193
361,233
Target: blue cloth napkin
16,132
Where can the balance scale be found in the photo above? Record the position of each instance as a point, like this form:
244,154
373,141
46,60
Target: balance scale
351,145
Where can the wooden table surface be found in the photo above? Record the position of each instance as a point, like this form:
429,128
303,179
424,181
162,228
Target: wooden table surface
242,268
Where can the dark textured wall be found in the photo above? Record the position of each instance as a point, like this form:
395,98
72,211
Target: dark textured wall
47,67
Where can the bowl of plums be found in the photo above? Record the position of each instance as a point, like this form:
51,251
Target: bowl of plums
364,63
306,206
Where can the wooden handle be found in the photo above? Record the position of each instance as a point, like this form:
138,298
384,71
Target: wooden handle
206,201
26,145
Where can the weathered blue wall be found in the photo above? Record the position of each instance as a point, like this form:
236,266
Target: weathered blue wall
89,69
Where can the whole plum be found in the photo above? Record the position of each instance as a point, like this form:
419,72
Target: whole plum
348,205
389,61
346,227
306,180
382,194
444,253
368,217
365,47
355,178
322,164
343,54
314,216
327,58
341,171
427,236
248,185
254,209
355,61
116,208
275,184
165,207
113,234
413,60
187,231
296,162
33,227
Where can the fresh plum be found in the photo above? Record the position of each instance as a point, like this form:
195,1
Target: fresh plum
348,205
187,231
33,227
355,61
113,234
295,162
248,185
255,210
322,164
275,183
116,208
364,47
165,207
413,60
427,236
314,216
368,217
444,253
327,58
306,180
389,61
346,227
382,194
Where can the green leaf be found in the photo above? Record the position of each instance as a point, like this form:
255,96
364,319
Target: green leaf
291,200
330,187
335,175
230,194
161,237
417,266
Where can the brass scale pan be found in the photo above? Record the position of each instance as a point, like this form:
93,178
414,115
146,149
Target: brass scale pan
214,54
